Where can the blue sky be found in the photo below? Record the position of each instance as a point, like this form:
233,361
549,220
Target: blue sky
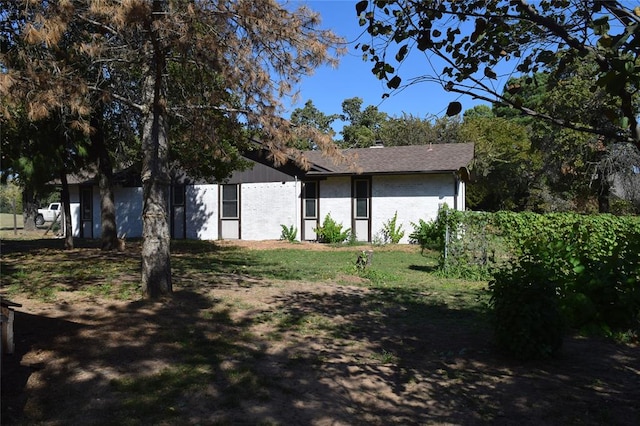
328,87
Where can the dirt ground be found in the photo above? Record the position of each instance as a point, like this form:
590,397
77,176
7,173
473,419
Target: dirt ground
352,360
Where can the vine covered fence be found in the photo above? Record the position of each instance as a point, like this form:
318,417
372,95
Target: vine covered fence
586,268
478,242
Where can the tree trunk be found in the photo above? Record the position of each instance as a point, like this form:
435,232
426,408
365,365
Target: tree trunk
603,198
30,210
66,205
109,235
156,259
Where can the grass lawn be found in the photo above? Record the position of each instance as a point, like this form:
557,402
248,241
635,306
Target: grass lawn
9,231
281,334
6,221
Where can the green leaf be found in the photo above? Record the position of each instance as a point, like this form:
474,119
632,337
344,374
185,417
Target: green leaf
394,83
578,269
488,72
361,6
481,25
424,40
605,41
402,53
630,67
454,108
601,25
624,122
546,57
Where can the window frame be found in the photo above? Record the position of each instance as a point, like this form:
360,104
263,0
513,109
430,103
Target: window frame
86,213
358,198
178,194
226,201
306,197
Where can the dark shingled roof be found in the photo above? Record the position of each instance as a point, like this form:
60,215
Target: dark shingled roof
412,159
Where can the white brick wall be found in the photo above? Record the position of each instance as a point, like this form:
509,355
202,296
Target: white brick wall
335,199
128,212
202,211
128,203
266,206
413,197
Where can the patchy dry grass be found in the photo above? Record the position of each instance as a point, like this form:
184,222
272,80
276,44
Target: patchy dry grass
275,333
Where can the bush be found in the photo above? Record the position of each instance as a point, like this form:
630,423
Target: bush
331,232
586,269
596,262
591,261
288,233
391,232
525,313
10,193
433,234
425,234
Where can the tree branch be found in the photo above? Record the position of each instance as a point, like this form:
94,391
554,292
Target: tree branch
562,33
532,113
141,108
209,107
104,27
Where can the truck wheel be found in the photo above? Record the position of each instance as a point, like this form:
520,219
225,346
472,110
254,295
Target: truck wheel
39,220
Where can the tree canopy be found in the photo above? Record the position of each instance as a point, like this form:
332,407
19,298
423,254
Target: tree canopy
311,118
470,45
504,163
219,68
363,125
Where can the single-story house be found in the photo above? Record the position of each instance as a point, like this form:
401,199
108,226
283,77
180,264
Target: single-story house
413,181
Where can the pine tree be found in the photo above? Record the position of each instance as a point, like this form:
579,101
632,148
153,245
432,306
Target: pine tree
168,61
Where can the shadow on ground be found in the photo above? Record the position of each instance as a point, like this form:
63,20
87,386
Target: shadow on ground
340,357
238,350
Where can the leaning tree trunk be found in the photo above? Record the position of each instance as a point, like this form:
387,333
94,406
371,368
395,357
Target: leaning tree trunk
66,205
156,260
105,181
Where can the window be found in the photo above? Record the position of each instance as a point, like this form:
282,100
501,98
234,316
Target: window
229,201
178,195
86,198
361,189
310,199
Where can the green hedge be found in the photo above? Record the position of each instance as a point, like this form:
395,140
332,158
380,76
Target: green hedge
589,265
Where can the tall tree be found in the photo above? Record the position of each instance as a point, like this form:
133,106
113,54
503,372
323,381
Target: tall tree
447,129
310,117
249,54
469,45
407,130
569,157
363,126
45,119
504,164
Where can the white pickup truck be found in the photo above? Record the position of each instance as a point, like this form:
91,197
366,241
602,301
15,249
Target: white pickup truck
49,214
